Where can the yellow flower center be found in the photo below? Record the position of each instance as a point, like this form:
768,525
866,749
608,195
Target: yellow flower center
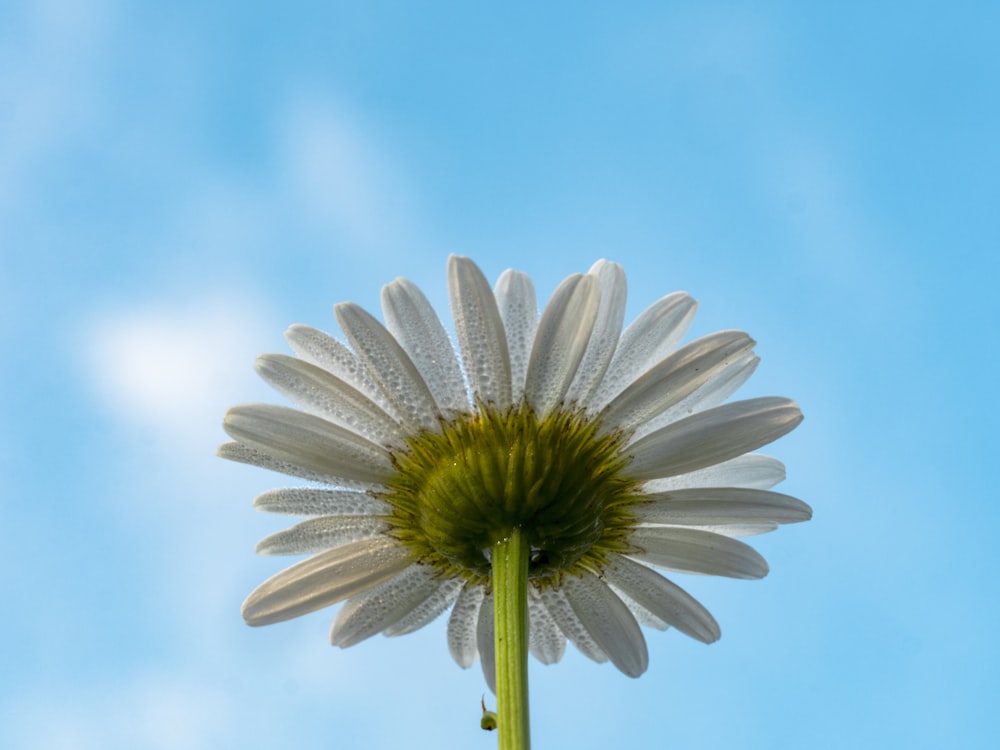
458,491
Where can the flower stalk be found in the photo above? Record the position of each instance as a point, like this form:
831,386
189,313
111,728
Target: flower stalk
509,562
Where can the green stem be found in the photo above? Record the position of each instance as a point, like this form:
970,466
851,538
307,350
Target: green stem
510,603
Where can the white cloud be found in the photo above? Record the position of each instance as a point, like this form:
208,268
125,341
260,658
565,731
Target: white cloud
167,372
173,366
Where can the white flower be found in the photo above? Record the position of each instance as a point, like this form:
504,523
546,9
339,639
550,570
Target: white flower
612,451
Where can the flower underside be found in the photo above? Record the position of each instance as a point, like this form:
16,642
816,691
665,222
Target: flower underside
529,477
557,478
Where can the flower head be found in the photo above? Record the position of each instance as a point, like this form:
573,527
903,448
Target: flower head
612,452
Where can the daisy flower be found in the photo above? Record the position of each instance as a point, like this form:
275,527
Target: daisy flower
604,454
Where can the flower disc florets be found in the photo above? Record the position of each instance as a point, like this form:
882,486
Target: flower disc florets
557,478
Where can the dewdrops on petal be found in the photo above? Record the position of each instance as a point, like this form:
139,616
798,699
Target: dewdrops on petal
613,452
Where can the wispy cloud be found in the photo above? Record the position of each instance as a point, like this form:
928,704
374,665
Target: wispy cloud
47,86
336,167
156,711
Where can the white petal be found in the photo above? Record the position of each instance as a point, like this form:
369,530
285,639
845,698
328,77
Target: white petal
413,322
325,579
463,623
663,598
696,551
607,330
563,334
307,441
609,622
480,332
712,436
736,530
393,370
244,454
427,611
675,378
752,470
545,641
323,350
558,606
307,501
486,642
642,615
318,534
519,312
720,506
375,610
712,393
321,393
650,337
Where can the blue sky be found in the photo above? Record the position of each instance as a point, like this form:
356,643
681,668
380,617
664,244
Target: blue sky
179,182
